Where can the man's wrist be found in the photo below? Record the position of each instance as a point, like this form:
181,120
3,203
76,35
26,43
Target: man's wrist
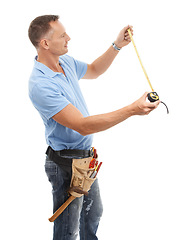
115,46
131,110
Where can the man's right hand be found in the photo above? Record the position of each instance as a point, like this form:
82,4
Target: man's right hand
142,107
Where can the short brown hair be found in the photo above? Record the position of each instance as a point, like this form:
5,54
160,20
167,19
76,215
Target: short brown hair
39,27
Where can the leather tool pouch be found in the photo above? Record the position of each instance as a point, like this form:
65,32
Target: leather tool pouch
81,181
80,170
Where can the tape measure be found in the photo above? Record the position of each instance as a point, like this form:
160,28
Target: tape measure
152,96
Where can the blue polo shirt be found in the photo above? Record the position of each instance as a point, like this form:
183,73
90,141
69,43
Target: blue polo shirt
50,92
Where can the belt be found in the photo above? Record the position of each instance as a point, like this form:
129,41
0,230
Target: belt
56,156
75,153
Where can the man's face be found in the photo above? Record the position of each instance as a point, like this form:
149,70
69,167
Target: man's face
58,39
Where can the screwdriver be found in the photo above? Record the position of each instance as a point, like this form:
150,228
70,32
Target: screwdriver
93,175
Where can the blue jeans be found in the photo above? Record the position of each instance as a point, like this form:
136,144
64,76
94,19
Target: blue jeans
82,215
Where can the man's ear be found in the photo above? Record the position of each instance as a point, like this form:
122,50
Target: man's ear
44,44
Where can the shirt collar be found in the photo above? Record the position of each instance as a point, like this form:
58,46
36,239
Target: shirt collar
46,70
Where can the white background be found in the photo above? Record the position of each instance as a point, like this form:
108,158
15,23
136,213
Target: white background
141,178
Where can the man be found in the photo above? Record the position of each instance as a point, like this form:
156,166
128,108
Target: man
54,91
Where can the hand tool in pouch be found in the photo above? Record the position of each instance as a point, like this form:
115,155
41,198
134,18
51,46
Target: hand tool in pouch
152,96
84,172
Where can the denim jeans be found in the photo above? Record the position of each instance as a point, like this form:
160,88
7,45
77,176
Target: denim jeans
82,216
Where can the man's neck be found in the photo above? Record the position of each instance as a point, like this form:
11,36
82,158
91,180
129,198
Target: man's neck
51,62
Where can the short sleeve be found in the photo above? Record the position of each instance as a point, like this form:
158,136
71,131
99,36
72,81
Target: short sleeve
81,68
48,100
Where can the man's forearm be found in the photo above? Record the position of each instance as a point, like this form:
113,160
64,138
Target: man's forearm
101,122
101,64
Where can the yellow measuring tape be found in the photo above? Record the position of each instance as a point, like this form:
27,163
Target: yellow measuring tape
140,60
153,96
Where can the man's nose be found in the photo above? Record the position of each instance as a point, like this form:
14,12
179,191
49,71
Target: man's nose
68,38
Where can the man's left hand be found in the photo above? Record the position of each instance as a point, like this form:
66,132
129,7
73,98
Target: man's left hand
123,38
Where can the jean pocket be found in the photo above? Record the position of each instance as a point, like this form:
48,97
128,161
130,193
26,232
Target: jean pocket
51,170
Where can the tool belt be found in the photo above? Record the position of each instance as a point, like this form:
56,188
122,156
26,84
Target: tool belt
82,169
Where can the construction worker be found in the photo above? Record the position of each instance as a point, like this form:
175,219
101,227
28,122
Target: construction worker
55,92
